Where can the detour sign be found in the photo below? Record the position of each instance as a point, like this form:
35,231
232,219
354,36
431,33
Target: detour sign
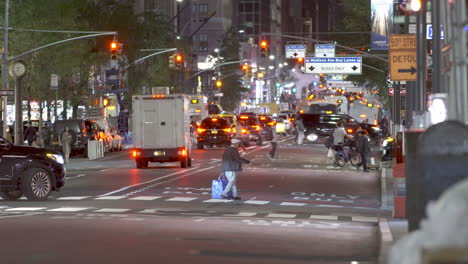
402,57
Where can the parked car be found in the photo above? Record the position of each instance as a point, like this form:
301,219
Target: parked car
34,172
82,130
215,131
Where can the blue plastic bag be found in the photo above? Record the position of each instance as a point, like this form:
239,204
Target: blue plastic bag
218,186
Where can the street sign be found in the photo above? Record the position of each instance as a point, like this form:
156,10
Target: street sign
295,51
324,50
391,92
54,82
338,65
403,64
430,32
7,92
218,94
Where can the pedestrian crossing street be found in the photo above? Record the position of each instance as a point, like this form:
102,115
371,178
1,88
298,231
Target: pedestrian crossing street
92,211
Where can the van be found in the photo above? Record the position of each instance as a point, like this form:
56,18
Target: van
82,130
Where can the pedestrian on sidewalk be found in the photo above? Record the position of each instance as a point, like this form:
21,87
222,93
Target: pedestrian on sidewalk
300,131
274,144
231,165
65,141
44,135
363,147
30,134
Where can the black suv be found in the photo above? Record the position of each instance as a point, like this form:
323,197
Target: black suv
215,131
322,125
34,172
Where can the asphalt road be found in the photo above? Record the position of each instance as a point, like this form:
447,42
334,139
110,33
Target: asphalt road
296,208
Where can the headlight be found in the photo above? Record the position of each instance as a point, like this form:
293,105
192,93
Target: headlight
312,137
57,157
376,128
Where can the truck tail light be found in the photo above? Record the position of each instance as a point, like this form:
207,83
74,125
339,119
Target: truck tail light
135,153
182,152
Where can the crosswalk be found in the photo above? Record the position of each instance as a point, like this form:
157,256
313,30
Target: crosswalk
242,214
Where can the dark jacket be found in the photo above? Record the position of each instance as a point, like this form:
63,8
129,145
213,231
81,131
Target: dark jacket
30,133
363,145
232,160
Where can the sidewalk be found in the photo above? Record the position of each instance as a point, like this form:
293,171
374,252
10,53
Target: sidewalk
81,163
391,230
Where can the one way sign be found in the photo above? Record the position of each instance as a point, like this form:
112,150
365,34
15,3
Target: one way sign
337,65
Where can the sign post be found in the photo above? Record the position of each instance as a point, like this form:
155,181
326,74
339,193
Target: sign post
403,64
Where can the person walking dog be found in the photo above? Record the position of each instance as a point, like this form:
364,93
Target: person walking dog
231,165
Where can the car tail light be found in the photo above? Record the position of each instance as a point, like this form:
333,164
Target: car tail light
257,128
201,130
271,123
135,153
244,117
262,118
244,131
227,130
214,119
349,130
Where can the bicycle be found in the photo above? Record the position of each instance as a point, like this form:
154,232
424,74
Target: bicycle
353,156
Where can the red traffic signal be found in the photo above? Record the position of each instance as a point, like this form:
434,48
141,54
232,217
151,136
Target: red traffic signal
114,46
264,44
245,67
179,58
105,101
300,60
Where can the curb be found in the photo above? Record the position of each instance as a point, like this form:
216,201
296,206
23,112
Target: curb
386,241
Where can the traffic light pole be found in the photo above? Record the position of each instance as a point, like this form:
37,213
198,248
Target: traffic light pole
149,56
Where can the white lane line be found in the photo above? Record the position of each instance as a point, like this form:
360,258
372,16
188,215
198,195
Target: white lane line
257,202
73,198
26,209
217,201
281,215
242,214
157,179
132,219
110,197
145,198
324,217
293,204
335,206
63,217
181,199
18,215
148,211
364,219
77,176
111,210
105,170
69,209
199,220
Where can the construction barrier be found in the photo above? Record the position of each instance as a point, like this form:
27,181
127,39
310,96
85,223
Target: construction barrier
95,149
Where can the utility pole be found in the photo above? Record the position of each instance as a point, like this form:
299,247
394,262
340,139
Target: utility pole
5,66
421,41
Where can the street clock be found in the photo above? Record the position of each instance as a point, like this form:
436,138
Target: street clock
17,69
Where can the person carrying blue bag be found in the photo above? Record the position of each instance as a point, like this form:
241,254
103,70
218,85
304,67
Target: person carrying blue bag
231,164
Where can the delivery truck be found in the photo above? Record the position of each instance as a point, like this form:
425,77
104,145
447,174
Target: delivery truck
161,129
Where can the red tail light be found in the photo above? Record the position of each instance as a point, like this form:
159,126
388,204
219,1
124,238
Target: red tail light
349,130
271,123
201,130
135,153
227,130
257,128
183,153
244,131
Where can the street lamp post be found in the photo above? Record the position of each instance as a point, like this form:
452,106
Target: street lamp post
5,66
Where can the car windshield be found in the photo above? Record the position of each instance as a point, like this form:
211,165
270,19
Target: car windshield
215,123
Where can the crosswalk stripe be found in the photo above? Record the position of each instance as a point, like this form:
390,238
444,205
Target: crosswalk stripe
110,197
257,202
181,199
217,201
293,204
73,198
26,209
145,198
281,215
242,214
68,209
111,210
364,219
324,217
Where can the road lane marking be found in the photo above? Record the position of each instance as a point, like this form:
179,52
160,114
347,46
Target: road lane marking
364,219
324,217
241,214
74,177
69,209
257,202
293,204
181,199
111,210
145,198
73,198
18,215
281,215
26,209
157,179
110,197
217,201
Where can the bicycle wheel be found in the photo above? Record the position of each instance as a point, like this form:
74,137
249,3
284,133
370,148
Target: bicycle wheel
339,160
354,158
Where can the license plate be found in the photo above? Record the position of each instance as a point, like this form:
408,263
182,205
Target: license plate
159,153
214,132
55,142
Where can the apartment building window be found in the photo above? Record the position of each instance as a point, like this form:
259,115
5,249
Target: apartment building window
150,5
202,11
203,41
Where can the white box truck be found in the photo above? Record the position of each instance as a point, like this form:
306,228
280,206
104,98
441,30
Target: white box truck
161,129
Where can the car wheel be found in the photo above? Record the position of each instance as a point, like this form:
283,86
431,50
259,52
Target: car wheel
199,145
37,184
11,195
183,163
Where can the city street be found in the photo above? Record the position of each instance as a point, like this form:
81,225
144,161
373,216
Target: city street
295,208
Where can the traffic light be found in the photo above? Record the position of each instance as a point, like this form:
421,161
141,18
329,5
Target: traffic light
264,48
219,84
245,68
115,49
105,101
415,5
260,75
179,61
172,61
